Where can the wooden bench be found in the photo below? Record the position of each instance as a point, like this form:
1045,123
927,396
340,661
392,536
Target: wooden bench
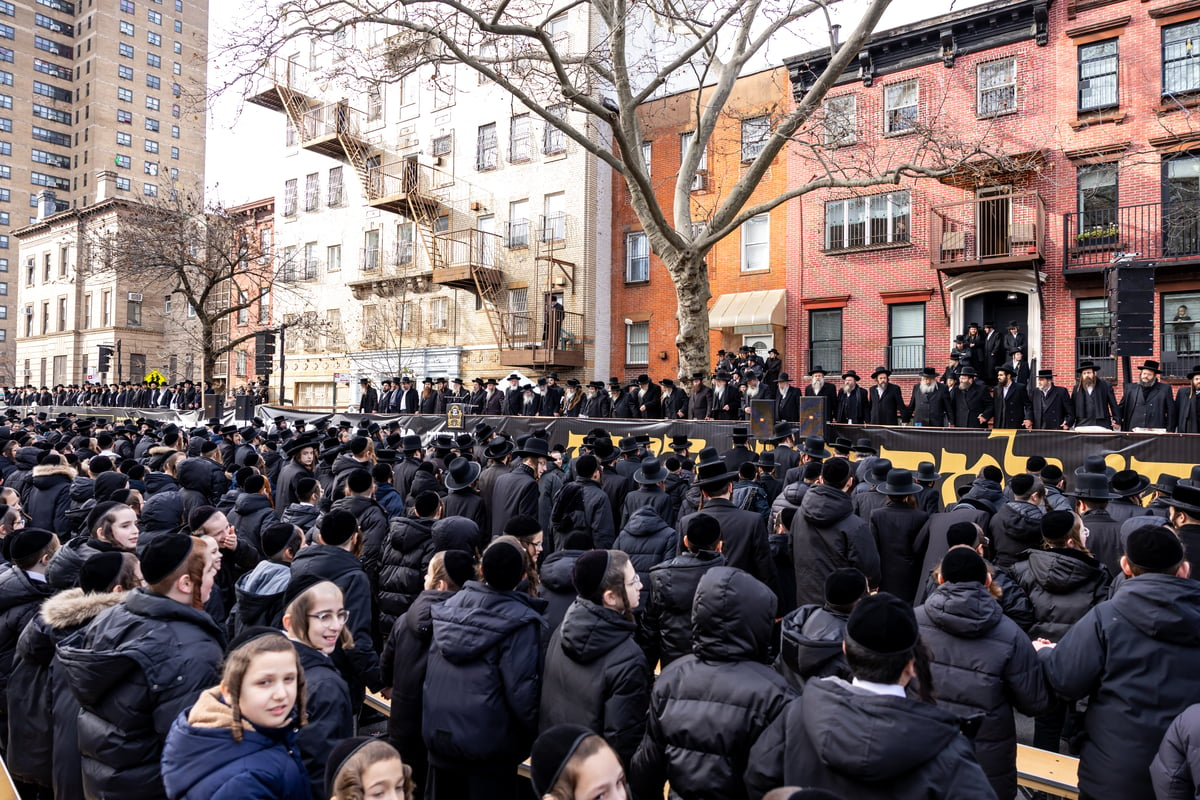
8,789
1048,772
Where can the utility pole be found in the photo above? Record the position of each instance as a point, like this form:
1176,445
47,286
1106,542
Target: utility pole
282,359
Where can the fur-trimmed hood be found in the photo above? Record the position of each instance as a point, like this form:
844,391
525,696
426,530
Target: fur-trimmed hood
43,470
74,607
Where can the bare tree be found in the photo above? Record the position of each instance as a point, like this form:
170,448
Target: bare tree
621,67
196,253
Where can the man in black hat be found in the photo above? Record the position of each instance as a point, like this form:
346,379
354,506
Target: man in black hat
1140,644
1010,404
866,738
1014,340
886,404
853,405
927,407
818,387
1050,405
408,402
700,400
1148,403
649,398
572,402
552,397
1184,514
787,403
970,402
725,398
993,349
369,400
1094,401
1187,404
595,404
515,492
674,400
302,455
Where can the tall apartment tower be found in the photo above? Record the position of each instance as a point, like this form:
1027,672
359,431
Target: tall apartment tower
99,100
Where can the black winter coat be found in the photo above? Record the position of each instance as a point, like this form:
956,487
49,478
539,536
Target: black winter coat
1175,771
1015,527
251,514
668,613
330,714
1063,585
515,492
895,529
63,570
744,541
162,512
558,590
708,708
50,498
134,669
596,676
468,503
202,481
22,474
826,535
486,659
810,645
303,516
868,747
651,496
648,541
1136,658
373,521
932,538
406,557
20,598
983,663
405,658
285,487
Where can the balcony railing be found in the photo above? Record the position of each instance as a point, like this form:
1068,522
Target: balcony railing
988,231
532,329
1155,230
471,247
368,259
905,357
518,233
331,119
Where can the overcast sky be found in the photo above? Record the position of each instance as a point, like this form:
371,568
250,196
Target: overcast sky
244,140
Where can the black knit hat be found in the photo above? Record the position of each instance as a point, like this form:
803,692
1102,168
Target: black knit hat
338,526
340,754
108,482
275,537
963,565
836,471
254,484
163,555
200,515
98,511
703,530
962,533
503,566
522,526
27,542
845,587
249,634
460,567
359,481
304,486
883,624
588,573
551,752
1154,549
1057,524
299,584
100,571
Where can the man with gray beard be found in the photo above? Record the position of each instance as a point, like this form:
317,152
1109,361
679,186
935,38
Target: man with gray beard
1149,402
927,406
1094,400
819,388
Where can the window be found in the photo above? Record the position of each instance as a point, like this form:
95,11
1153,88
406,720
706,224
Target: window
310,267
442,145
240,362
123,184
7,32
53,159
6,125
1092,339
153,82
370,254
126,50
846,221
127,7
167,304
153,16
312,191
1096,197
152,103
1098,75
178,26
126,28
1180,334
404,243
554,220
151,124
176,68
8,9
996,87
175,152
124,117
699,180
174,131
825,338
900,107
54,92
6,54
150,146
1180,67
439,314
124,95
335,186
637,257
264,305
6,78
486,147
149,167
6,100
264,246
3,312
124,161
53,137
46,68
243,313
841,121
518,223
154,38
906,337
50,181
520,138
150,190
554,140
125,73
133,312
62,315
518,307
756,249
637,342
289,198
177,48
5,148
333,258
443,89
755,132
374,104
647,152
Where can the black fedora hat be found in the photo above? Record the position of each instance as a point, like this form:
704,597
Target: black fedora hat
968,372
815,370
1096,465
899,482
699,376
1045,373
1186,499
299,443
927,472
680,441
1166,484
782,431
783,378
864,448
1091,486
1128,483
1194,372
627,445
814,446
651,471
1151,365
766,460
533,448
929,372
604,450
842,446
1086,365
850,374
739,434
711,468
498,449
462,473
881,371
879,470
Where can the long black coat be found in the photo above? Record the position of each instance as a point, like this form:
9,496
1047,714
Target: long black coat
896,530
983,663
826,535
20,597
675,405
667,618
700,403
50,498
787,407
707,709
652,401
405,657
1187,410
1155,410
1051,410
743,539
852,407
968,404
830,393
136,667
330,713
724,403
928,410
1009,412
1137,658
405,558
888,408
596,676
1100,409
1063,585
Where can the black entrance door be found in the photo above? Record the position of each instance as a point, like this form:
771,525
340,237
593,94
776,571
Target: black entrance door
999,308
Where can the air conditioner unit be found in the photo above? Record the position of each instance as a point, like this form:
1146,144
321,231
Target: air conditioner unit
135,297
476,205
700,181
29,311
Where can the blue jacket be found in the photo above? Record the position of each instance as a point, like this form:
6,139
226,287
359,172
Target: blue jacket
387,496
205,763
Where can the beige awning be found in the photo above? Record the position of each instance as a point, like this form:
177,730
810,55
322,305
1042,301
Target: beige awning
749,308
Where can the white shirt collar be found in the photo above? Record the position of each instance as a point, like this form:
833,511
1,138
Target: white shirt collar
893,689
36,576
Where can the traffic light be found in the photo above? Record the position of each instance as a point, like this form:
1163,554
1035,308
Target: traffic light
264,351
105,358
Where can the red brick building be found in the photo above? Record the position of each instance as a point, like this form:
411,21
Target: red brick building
258,221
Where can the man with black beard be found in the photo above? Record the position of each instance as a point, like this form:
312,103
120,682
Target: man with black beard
1149,402
1187,405
1094,400
928,406
1011,408
819,388
969,402
1051,404
572,401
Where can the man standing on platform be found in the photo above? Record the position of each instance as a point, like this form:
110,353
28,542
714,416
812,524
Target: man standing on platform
819,388
700,402
370,397
1148,403
852,402
1187,405
1011,408
788,407
1094,401
929,405
1051,405
887,403
969,402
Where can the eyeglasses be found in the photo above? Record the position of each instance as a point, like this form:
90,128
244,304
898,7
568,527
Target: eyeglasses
637,581
327,617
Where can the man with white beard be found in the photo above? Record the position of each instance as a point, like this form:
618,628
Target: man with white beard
817,387
1094,400
927,405
852,400
572,400
725,398
753,391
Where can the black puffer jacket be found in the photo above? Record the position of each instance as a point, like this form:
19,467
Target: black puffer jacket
136,667
302,516
668,613
826,535
486,656
810,645
405,657
20,598
50,498
40,758
202,482
596,676
558,587
251,514
156,482
707,709
19,480
649,541
402,569
457,533
63,570
330,714
1137,658
373,521
1013,600
163,511
867,747
983,663
1175,771
1015,527
1063,585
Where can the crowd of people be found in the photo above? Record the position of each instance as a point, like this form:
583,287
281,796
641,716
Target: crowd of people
183,396
200,613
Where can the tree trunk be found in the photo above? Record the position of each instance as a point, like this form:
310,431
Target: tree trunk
207,356
689,272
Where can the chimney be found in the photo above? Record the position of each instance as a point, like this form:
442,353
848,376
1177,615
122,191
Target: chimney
106,184
47,204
